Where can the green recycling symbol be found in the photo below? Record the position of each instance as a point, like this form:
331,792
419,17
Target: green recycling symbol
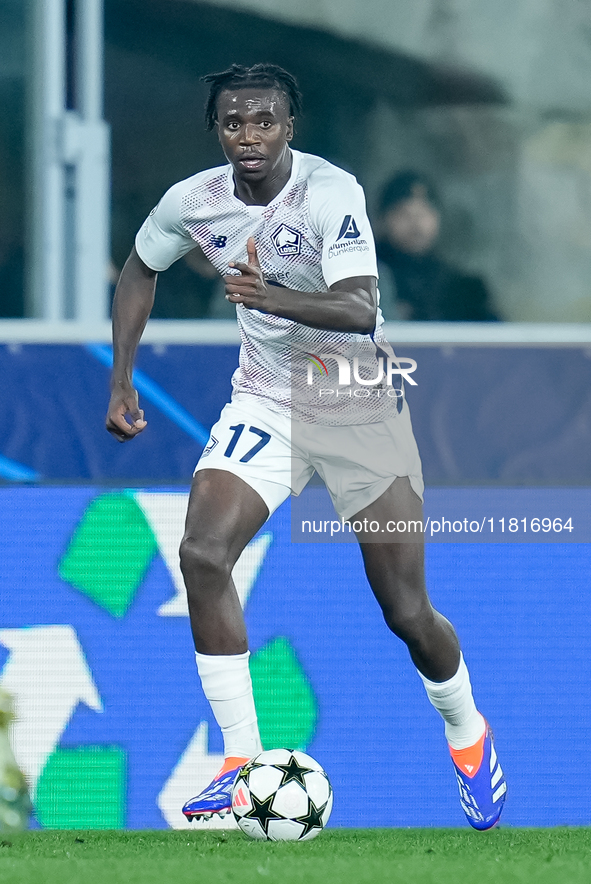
106,560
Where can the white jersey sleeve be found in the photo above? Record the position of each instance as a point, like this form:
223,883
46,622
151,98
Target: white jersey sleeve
337,210
162,239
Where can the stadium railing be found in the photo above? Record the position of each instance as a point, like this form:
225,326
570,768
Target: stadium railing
167,331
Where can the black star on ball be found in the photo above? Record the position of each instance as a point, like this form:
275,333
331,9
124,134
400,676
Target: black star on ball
292,771
261,811
313,819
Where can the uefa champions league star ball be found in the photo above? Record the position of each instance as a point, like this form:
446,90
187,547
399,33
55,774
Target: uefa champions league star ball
282,796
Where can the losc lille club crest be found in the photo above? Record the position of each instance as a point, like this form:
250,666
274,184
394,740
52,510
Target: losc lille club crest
287,241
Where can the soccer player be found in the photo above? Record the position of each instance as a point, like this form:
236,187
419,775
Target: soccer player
290,235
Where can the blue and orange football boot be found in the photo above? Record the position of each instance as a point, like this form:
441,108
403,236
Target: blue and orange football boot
217,797
481,781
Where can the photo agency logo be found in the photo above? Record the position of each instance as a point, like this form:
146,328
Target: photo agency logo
359,382
356,378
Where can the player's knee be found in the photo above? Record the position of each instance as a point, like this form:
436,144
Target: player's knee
411,622
205,560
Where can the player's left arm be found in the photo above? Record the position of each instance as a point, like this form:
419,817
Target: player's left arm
348,305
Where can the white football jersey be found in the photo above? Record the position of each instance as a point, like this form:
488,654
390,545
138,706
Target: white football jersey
313,234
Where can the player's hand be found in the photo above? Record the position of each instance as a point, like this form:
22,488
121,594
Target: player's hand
250,288
124,403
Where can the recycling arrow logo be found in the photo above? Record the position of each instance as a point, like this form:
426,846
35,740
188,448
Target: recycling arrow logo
107,561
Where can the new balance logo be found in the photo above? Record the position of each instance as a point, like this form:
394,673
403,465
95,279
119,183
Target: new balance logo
349,229
218,241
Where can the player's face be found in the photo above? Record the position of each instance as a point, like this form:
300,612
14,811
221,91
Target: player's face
413,225
254,127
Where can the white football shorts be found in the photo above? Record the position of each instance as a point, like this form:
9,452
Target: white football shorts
356,463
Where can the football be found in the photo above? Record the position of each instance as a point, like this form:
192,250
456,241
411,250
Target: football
282,796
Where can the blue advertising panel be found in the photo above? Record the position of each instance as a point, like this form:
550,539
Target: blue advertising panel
113,730
508,415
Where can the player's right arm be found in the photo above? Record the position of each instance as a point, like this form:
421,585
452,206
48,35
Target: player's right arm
132,305
161,240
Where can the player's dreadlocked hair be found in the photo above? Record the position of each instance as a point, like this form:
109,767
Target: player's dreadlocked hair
238,76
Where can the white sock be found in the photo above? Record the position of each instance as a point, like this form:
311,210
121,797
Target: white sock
227,685
464,725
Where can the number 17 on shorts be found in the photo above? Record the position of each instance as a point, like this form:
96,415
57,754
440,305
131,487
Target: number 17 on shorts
254,443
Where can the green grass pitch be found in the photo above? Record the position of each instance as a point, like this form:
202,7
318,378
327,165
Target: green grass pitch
338,856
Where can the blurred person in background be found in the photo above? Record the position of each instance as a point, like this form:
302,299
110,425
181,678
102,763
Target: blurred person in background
190,289
415,283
